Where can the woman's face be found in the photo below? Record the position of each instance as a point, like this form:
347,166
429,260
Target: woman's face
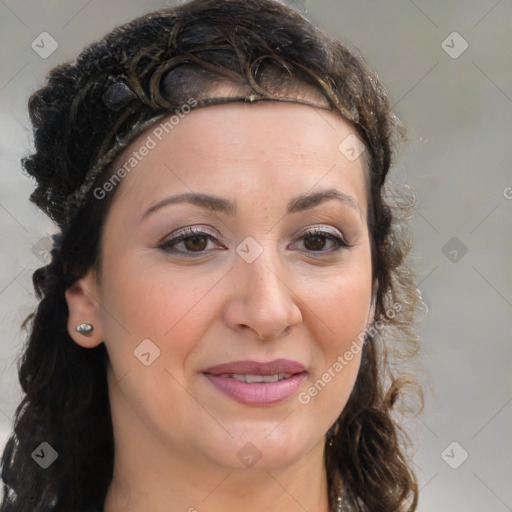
275,265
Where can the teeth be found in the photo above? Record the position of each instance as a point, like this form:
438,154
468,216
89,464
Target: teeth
260,378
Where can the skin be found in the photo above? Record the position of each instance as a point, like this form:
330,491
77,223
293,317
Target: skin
177,436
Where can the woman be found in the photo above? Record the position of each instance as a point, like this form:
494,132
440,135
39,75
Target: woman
214,324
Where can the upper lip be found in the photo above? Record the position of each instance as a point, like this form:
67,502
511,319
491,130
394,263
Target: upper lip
255,368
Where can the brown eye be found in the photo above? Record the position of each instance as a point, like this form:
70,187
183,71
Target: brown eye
196,243
314,242
189,242
322,241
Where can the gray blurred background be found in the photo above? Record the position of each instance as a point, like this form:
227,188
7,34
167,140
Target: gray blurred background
448,69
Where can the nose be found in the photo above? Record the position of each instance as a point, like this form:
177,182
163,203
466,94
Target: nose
262,298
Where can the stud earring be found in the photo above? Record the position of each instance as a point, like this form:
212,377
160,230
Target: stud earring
85,329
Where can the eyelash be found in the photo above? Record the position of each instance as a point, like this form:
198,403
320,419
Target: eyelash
189,233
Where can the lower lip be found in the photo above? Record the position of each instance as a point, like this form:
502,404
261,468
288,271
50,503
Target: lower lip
258,393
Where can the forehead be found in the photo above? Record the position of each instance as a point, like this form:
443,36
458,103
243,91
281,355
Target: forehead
269,144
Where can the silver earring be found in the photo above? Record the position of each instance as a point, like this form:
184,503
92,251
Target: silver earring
85,329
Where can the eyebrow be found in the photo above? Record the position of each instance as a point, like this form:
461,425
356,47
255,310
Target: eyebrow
218,204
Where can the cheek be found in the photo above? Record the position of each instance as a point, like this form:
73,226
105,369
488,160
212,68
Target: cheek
341,303
339,313
143,301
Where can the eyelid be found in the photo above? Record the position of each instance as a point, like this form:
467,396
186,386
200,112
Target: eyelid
192,230
213,232
322,228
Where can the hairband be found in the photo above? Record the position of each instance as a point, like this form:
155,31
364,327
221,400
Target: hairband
119,95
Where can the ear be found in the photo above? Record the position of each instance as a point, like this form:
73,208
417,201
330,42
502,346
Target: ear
83,307
371,313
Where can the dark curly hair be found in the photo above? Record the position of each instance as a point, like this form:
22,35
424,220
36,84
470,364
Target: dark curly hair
80,122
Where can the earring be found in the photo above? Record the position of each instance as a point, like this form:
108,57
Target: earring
85,329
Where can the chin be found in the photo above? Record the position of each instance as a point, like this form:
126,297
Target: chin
255,448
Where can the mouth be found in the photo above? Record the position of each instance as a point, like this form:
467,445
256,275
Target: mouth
251,379
257,384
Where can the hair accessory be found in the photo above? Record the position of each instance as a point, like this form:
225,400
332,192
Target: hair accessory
128,107
85,329
117,96
76,199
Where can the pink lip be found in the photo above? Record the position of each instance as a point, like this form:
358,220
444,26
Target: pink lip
259,393
255,368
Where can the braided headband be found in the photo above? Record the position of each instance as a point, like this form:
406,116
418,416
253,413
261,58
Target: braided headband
118,94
